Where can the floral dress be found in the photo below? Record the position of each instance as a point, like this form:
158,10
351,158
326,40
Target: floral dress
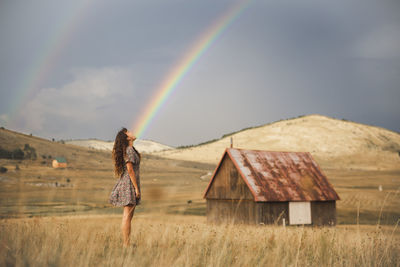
123,192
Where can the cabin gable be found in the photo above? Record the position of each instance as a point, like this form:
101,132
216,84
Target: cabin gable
227,183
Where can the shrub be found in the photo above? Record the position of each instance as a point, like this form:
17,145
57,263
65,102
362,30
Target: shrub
3,169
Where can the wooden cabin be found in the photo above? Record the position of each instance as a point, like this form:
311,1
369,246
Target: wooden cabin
59,162
265,187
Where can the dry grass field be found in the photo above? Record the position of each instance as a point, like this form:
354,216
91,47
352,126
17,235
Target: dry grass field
166,240
61,217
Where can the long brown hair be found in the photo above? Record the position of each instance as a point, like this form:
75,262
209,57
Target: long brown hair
119,151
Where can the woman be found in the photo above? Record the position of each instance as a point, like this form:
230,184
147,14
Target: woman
126,191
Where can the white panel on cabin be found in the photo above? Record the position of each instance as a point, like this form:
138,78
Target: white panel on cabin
299,212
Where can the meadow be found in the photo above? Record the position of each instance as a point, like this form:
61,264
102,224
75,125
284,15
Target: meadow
173,187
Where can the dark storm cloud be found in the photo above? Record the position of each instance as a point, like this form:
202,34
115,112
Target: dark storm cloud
280,59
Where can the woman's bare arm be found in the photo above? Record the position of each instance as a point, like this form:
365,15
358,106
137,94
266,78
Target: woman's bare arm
132,175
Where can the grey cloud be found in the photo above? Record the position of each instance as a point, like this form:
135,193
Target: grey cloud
79,105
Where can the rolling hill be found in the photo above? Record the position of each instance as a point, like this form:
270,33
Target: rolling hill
46,150
333,143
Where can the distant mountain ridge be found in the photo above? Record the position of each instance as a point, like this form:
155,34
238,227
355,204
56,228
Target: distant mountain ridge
11,140
143,146
333,143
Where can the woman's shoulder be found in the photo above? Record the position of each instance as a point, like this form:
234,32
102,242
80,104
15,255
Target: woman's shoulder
129,151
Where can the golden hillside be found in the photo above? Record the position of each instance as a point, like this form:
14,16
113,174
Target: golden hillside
47,150
333,143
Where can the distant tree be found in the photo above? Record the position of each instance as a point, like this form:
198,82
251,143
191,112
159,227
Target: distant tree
17,167
33,153
5,154
3,169
30,152
49,157
52,139
44,156
17,154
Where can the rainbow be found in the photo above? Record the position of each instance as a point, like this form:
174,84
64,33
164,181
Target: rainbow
47,57
174,77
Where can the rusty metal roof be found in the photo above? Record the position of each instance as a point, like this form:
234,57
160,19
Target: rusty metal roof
280,176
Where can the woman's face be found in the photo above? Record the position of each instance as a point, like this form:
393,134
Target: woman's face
130,136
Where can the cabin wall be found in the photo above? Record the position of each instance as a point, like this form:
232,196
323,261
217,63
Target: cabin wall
235,211
245,211
228,184
272,212
323,212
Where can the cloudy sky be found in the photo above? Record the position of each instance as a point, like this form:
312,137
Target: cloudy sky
83,69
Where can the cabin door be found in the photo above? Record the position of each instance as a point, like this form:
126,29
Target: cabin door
299,212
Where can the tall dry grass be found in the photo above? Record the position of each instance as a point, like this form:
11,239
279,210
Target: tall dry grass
189,241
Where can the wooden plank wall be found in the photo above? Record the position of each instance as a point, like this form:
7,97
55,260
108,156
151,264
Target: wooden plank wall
245,211
228,184
273,212
323,212
231,211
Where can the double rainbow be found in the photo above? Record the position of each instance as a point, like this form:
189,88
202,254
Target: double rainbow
173,79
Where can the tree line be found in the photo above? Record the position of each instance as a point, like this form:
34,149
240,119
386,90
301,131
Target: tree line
27,152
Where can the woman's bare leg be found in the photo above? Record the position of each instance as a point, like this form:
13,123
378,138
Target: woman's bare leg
126,223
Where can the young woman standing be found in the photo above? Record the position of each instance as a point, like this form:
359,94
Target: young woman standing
126,192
